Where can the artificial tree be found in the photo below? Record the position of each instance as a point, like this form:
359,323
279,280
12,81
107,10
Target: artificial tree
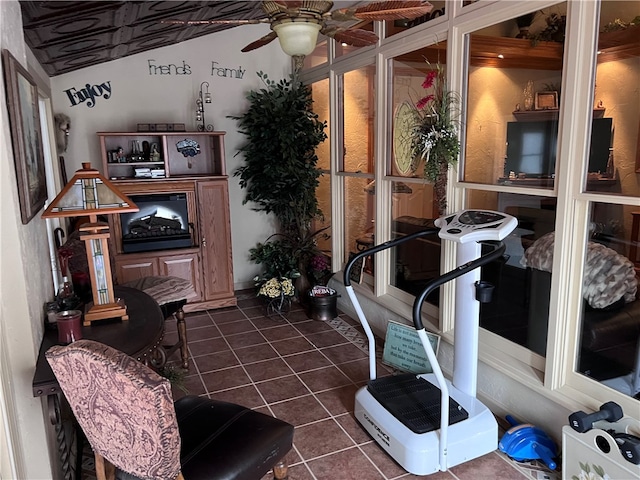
280,173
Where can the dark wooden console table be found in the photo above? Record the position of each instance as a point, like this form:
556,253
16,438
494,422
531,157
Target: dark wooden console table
139,337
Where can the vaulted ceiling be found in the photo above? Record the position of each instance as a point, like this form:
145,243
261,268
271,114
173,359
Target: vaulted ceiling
66,36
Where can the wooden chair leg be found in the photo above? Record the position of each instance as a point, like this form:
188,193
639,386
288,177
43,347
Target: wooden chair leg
182,338
281,471
104,469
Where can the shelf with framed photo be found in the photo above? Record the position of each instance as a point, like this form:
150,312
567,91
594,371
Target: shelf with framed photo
549,114
160,155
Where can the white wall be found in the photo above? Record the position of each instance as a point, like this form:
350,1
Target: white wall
139,95
25,285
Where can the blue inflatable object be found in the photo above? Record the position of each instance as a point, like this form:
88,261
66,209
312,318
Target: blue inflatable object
524,442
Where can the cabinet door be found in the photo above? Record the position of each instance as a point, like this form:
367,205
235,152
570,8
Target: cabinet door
131,269
215,242
185,266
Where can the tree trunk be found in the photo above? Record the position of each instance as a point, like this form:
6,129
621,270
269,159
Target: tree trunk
440,188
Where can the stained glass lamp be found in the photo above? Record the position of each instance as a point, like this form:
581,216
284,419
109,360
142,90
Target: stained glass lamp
90,194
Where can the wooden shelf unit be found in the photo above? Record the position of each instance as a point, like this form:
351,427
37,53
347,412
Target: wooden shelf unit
210,160
208,263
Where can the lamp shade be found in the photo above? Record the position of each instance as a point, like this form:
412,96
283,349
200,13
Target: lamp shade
297,38
89,193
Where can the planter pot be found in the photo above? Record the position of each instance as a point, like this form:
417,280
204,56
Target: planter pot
279,306
323,307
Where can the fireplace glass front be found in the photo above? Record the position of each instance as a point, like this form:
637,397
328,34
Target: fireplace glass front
161,224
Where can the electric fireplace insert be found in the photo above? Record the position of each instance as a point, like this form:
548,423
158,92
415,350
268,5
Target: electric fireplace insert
161,224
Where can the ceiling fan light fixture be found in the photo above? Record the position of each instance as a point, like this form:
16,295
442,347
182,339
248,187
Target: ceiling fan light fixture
297,38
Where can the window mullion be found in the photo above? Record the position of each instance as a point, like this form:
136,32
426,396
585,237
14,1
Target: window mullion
571,221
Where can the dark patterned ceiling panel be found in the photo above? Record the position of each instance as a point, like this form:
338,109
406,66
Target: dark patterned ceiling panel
67,36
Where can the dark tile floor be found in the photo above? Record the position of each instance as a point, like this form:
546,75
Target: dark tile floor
307,373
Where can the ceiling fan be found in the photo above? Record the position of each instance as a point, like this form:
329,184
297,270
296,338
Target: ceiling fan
296,24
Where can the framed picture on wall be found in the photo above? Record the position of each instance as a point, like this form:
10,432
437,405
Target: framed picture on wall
546,101
28,152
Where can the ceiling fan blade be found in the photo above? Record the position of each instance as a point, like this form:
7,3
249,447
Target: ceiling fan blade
214,22
391,10
356,37
261,42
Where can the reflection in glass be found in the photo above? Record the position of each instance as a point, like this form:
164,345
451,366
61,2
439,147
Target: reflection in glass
320,96
614,155
409,71
359,116
393,27
417,261
519,311
508,140
359,201
608,348
318,56
531,149
323,194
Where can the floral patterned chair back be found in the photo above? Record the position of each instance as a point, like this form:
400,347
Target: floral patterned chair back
124,408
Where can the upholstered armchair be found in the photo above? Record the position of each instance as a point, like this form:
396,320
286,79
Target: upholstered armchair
127,414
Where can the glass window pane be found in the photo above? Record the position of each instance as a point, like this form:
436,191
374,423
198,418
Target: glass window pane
417,261
323,194
394,27
319,56
608,347
358,120
409,72
359,204
513,98
343,48
320,95
519,311
614,153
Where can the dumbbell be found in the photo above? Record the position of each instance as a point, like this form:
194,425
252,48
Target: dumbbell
628,444
583,422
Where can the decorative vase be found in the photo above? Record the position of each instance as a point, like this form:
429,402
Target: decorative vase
528,96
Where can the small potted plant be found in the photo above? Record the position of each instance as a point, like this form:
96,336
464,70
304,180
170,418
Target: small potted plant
320,269
275,285
278,292
322,299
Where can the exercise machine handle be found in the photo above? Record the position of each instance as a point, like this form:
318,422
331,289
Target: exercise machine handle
383,246
498,249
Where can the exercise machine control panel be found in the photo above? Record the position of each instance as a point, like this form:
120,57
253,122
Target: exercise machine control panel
475,225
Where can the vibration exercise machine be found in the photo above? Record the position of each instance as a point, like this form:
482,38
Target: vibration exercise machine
403,412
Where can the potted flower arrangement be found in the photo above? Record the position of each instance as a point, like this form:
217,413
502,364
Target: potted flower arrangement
276,284
319,269
278,291
435,134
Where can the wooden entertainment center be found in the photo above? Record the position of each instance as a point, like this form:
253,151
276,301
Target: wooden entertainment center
190,165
